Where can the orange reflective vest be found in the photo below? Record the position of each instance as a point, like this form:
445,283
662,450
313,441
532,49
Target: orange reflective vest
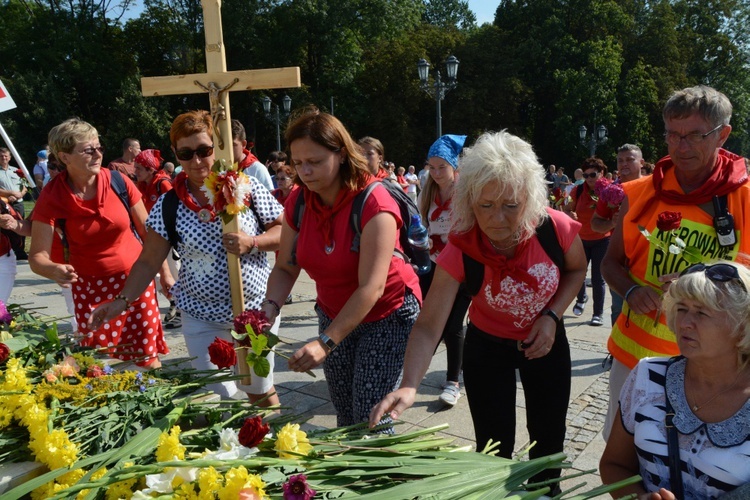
636,336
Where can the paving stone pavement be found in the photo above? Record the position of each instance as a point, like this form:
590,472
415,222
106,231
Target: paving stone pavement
308,397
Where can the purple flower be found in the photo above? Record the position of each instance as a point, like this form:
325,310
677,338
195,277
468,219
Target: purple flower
89,387
139,376
151,381
5,316
298,489
108,370
142,388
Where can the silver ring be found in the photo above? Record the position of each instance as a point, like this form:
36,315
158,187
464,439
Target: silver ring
231,242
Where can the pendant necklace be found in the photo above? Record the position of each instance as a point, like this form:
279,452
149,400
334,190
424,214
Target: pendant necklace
698,407
500,249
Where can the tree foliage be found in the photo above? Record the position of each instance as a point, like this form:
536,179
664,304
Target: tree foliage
542,69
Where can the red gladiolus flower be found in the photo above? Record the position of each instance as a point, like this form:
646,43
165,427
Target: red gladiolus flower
298,489
4,352
669,221
94,371
253,431
222,353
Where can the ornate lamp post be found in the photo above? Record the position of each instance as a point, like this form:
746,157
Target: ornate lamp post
277,116
438,88
596,138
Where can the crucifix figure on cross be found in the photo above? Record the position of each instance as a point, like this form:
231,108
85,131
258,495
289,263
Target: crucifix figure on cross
220,83
218,112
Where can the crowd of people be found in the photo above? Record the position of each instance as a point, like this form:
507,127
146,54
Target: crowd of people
668,240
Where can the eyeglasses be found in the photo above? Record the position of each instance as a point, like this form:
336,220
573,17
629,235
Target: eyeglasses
673,138
90,151
716,272
282,179
186,154
590,176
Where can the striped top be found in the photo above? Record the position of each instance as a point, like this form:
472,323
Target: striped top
715,457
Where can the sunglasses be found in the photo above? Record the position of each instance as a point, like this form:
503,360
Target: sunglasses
717,272
186,154
590,176
91,151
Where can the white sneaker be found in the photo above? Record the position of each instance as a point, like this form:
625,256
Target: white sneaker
451,394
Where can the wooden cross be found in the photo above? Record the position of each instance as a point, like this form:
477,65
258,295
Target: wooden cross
218,83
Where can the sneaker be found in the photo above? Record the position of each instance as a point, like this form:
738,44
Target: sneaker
288,299
174,322
578,308
596,321
171,313
451,394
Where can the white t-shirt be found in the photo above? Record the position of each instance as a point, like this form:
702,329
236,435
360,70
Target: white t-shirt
412,179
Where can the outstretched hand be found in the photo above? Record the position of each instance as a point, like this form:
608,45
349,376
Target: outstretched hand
105,312
393,404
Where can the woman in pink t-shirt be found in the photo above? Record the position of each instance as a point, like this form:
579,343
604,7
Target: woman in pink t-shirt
368,298
515,319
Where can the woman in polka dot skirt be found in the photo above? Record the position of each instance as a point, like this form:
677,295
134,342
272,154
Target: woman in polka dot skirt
202,290
102,246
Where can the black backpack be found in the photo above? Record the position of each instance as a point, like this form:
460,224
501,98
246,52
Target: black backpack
547,236
16,240
406,207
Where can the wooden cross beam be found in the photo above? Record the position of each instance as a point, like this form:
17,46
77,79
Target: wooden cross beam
218,82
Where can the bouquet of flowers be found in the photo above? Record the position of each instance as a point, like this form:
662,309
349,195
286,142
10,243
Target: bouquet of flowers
613,195
558,198
227,190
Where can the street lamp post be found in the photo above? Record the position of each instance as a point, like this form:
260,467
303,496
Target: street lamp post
438,88
597,137
277,116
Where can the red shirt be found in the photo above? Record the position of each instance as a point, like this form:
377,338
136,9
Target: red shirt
335,274
584,207
160,184
98,231
510,313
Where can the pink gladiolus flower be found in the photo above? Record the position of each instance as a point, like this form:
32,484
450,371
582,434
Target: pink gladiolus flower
298,489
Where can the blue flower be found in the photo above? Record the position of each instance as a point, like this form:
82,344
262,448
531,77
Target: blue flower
142,388
151,381
139,376
108,370
89,387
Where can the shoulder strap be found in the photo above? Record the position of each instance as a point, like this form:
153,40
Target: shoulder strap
169,216
161,183
355,218
673,445
547,236
579,190
299,211
118,185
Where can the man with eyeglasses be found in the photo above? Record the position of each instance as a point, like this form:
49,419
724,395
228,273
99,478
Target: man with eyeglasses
703,190
126,163
13,189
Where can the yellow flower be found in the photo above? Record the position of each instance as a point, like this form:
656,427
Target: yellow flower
122,489
237,479
71,477
187,491
5,335
6,417
169,447
209,482
47,490
292,441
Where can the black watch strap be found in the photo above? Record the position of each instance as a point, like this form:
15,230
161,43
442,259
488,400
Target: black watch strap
552,314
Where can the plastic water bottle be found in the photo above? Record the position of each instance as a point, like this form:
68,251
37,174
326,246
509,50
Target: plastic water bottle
420,245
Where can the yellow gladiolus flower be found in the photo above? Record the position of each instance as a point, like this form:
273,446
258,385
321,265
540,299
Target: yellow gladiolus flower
209,482
238,479
169,447
292,439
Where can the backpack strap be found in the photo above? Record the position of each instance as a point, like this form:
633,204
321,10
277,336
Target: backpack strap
299,211
547,236
169,207
355,218
579,190
161,183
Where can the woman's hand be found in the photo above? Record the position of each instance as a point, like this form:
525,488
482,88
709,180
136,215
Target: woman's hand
662,494
392,404
308,357
541,338
9,222
166,280
237,243
106,312
64,275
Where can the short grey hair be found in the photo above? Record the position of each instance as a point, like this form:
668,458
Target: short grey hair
630,147
64,137
709,103
728,297
510,162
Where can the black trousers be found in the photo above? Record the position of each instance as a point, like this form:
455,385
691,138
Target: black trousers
490,366
20,248
453,332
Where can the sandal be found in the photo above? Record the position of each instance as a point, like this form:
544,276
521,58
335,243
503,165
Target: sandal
578,308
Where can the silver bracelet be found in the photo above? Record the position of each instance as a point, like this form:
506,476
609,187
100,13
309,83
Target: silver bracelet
630,290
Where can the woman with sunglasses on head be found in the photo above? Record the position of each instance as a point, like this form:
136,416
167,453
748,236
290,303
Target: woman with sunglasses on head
98,220
368,298
707,388
581,208
202,289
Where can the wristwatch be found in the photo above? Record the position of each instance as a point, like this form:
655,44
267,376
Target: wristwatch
552,314
328,341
